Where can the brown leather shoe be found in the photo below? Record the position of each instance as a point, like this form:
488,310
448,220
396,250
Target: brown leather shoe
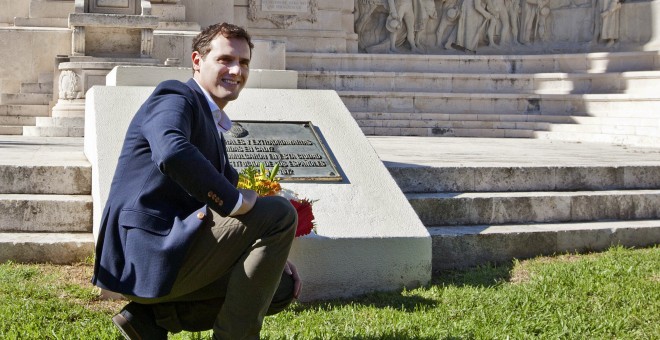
136,322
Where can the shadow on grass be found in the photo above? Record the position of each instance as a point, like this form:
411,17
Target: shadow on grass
486,275
398,336
393,300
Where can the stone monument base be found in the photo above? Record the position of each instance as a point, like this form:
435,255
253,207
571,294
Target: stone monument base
367,237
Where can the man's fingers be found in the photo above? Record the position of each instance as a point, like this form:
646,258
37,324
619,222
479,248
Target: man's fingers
291,269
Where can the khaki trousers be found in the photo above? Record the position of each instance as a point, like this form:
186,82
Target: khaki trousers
233,274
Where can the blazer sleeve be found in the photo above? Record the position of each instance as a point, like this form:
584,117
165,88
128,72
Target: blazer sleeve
168,128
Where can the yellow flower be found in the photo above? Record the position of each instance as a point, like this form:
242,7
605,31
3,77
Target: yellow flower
260,180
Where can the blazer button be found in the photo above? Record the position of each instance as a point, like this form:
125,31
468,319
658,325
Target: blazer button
220,202
200,215
210,193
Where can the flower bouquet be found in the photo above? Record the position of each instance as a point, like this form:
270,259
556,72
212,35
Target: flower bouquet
266,183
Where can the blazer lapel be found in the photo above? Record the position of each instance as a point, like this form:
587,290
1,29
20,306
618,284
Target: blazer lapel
209,123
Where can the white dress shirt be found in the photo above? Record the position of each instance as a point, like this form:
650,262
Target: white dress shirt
223,124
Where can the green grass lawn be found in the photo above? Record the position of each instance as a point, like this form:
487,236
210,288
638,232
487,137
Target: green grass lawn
609,295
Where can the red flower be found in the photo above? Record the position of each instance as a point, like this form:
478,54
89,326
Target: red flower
305,216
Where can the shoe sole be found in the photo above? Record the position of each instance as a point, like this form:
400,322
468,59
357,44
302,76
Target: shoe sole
125,327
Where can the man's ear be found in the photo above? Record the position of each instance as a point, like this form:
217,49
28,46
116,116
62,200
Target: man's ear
196,58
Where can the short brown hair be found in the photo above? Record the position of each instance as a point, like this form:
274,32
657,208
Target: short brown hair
202,42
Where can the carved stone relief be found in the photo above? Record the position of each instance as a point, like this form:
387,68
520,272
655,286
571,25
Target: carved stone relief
606,21
69,85
487,26
283,13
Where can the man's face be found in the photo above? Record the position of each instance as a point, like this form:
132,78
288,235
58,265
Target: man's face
224,70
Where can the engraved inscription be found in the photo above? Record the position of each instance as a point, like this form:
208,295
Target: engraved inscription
112,3
295,147
291,6
283,13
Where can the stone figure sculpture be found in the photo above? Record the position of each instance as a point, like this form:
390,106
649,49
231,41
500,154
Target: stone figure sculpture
513,9
401,16
468,25
500,23
449,18
424,10
365,8
535,13
606,21
472,24
486,9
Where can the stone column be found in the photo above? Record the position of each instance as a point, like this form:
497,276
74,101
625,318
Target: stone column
147,44
78,41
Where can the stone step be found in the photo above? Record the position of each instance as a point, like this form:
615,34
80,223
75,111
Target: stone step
632,140
67,122
45,213
57,248
11,130
468,124
446,131
53,131
458,125
535,207
25,99
465,246
44,88
548,83
516,178
649,129
41,22
24,110
70,179
550,63
17,120
650,122
600,105
465,117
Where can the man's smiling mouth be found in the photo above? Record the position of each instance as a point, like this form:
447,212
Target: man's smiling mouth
231,82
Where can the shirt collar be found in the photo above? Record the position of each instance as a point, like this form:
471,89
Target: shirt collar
223,122
207,95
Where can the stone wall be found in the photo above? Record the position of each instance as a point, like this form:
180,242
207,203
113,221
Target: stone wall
11,9
28,53
308,25
208,12
330,26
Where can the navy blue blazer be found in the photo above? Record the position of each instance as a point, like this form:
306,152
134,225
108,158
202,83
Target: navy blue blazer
172,167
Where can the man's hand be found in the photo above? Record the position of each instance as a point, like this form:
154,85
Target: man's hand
249,199
290,269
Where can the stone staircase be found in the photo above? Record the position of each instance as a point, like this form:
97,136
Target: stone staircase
26,107
45,200
486,200
604,97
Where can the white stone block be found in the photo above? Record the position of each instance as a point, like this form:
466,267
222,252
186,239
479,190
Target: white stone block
369,238
153,75
268,54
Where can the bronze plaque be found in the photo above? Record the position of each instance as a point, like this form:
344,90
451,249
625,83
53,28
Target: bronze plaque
295,146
